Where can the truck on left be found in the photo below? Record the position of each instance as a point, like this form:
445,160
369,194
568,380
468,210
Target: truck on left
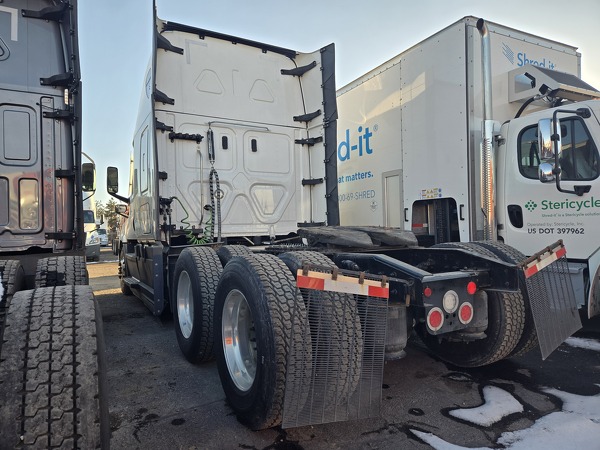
52,382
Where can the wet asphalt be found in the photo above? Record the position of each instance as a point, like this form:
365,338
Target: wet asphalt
157,400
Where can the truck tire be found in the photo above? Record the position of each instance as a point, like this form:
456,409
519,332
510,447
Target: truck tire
258,308
12,278
529,338
335,326
61,271
195,280
125,290
226,252
506,319
52,371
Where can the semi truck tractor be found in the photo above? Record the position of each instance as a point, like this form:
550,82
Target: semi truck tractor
479,132
233,227
52,392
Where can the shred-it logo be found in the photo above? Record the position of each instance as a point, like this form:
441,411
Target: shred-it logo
530,205
521,58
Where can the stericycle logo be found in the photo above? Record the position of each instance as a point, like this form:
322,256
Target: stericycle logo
530,205
576,205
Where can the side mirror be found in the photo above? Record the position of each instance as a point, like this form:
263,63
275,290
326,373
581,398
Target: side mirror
88,177
112,180
122,210
545,173
545,140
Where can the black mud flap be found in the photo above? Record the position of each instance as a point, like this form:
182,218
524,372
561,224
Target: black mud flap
551,296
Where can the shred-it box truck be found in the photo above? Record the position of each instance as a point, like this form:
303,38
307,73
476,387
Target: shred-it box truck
236,144
479,132
51,370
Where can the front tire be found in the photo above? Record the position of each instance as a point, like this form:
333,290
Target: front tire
196,276
259,318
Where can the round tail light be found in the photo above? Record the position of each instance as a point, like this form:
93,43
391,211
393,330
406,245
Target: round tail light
465,313
435,319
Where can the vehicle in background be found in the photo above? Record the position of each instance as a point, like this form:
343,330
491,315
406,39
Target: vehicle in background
50,324
236,144
436,141
103,235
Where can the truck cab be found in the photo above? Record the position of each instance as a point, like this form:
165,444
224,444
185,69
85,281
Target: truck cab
531,210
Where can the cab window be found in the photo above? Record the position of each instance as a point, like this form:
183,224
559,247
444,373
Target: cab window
578,159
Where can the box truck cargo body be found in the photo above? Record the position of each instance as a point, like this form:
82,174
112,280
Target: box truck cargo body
411,145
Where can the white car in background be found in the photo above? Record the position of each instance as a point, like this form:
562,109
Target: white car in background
103,237
92,246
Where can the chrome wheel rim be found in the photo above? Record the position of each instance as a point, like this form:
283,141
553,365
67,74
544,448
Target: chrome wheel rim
185,304
239,340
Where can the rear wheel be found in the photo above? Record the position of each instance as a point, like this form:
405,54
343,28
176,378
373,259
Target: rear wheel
61,271
53,338
196,276
506,318
529,338
226,252
259,318
336,330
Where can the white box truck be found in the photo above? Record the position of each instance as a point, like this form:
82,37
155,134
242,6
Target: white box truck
447,139
236,144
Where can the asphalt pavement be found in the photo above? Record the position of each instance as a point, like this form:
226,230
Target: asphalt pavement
158,400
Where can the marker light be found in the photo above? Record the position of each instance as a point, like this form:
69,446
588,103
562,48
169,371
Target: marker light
471,288
427,292
450,301
435,319
465,313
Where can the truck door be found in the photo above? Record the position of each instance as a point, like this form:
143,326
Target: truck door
535,214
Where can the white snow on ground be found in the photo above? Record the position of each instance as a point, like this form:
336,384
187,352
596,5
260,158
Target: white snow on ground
577,426
588,344
498,404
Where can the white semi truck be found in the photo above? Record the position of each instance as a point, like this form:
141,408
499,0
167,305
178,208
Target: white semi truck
233,227
52,374
456,139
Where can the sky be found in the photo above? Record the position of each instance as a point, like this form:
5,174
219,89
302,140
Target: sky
115,43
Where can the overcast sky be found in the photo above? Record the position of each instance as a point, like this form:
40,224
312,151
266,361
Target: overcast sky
114,37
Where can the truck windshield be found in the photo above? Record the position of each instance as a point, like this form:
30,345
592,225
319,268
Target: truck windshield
579,156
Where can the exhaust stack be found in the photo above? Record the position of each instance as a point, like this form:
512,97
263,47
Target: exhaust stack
488,182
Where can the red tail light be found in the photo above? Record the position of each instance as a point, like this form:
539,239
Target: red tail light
435,319
465,313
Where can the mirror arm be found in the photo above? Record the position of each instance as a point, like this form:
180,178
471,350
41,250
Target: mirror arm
120,197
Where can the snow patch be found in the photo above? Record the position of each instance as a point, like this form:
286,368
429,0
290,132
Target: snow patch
588,344
577,426
497,404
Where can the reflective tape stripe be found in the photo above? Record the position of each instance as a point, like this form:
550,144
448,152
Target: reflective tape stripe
348,285
534,267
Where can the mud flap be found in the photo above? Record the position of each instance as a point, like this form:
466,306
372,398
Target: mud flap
348,319
551,295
